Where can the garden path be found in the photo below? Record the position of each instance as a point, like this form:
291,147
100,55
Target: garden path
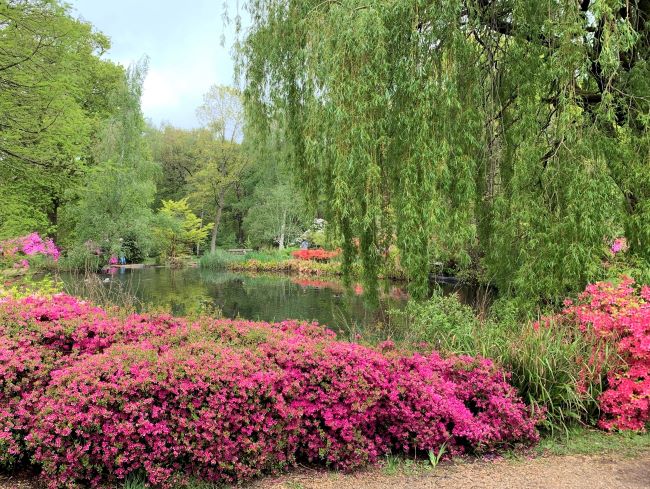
552,472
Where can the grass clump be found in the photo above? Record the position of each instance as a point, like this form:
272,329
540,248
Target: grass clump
269,254
587,441
546,365
221,259
218,260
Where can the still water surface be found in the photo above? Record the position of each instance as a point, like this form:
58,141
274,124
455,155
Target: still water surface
256,297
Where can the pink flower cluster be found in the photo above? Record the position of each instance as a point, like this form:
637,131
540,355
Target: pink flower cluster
619,314
618,245
93,395
29,245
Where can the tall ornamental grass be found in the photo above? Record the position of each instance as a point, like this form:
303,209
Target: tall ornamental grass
218,260
544,364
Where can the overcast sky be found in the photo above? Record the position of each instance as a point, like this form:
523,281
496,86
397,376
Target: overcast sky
183,42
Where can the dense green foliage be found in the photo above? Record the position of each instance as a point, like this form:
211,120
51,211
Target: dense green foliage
177,151
224,162
546,364
115,201
79,163
178,230
278,214
507,134
53,96
240,183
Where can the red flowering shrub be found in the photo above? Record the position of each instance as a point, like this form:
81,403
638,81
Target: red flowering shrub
317,254
93,396
318,284
620,315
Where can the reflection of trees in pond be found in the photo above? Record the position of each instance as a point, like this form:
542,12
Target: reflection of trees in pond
185,294
172,290
277,297
266,297
211,277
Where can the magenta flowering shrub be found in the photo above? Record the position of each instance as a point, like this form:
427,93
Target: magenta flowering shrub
462,402
17,250
201,408
24,369
93,395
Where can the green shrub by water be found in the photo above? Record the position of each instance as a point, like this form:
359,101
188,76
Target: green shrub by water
79,258
545,363
218,260
270,254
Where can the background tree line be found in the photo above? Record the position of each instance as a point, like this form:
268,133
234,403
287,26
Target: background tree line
79,162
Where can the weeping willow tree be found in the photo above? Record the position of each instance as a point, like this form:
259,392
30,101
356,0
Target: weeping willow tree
507,133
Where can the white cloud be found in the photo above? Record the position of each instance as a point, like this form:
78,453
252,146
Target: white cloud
159,91
185,55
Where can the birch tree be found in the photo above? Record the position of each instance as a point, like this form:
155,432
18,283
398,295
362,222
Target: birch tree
222,160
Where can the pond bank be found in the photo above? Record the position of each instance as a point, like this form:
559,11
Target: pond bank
553,472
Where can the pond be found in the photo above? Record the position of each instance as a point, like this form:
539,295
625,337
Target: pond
250,296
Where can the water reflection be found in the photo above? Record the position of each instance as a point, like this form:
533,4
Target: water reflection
256,297
260,297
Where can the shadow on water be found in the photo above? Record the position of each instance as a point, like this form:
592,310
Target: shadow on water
256,297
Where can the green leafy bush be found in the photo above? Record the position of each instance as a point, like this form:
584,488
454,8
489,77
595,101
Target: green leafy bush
546,364
80,257
218,260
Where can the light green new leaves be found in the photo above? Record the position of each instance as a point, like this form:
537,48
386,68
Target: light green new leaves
512,136
178,228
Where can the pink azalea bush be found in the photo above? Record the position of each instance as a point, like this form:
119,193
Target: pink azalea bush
18,251
618,245
619,315
33,244
93,395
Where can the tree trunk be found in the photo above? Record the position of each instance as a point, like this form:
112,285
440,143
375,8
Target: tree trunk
198,243
217,221
53,217
282,229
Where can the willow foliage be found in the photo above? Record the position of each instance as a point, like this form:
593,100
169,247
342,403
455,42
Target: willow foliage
507,133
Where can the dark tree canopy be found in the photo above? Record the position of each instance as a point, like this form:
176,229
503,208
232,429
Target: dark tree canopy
511,134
